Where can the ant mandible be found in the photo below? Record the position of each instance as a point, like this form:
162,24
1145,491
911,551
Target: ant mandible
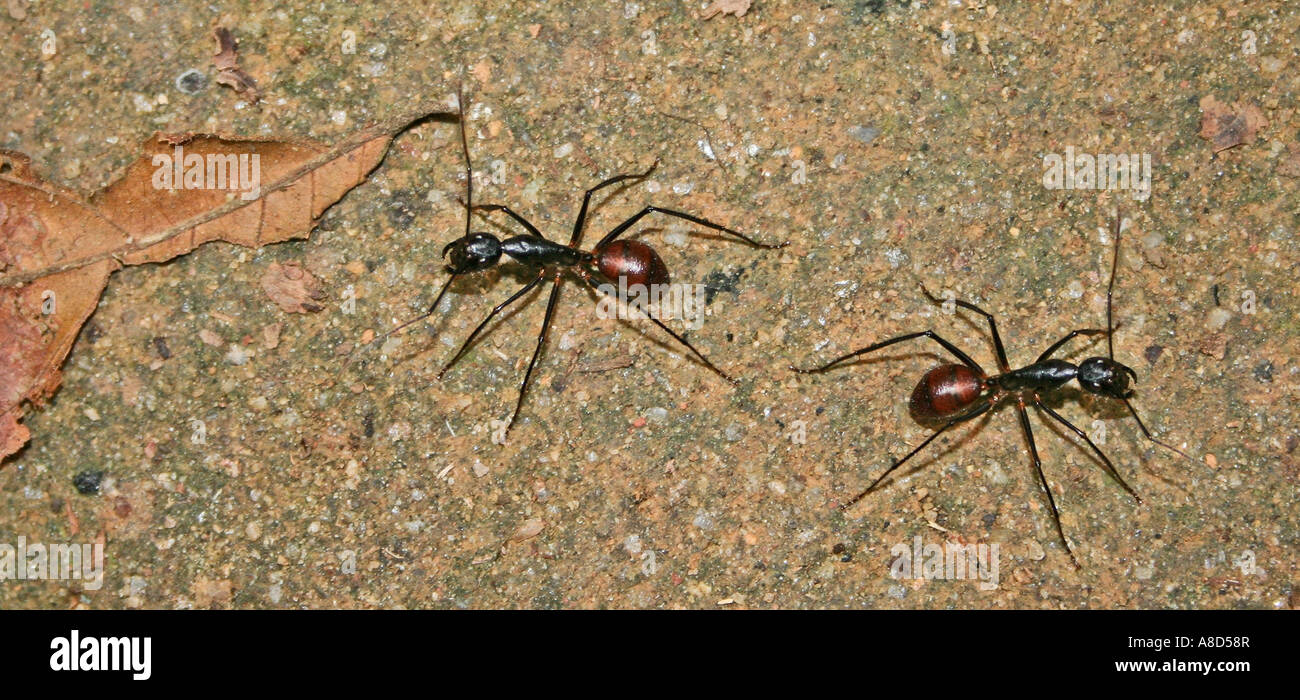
636,262
955,393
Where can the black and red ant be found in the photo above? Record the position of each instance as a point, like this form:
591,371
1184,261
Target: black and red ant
611,259
955,393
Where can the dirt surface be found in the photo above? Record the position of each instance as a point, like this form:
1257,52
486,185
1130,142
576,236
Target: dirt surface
246,464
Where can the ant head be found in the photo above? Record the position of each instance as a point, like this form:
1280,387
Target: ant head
1106,377
476,251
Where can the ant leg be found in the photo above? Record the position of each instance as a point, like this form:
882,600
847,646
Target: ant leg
1148,432
586,199
1038,466
587,278
623,227
959,419
1073,334
511,213
1110,468
496,310
965,359
541,341
993,326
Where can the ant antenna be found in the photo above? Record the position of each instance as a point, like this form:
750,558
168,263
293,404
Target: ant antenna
1110,288
464,146
469,196
1110,335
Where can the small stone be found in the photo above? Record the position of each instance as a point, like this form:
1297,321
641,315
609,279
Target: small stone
1264,371
191,82
865,134
210,337
632,545
529,529
88,482
1217,319
236,355
1034,550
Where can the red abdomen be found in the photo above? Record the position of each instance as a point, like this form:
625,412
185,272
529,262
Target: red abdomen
944,392
636,261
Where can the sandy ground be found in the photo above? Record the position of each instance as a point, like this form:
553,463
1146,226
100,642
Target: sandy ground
891,143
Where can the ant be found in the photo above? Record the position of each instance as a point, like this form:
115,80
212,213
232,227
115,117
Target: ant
955,393
611,259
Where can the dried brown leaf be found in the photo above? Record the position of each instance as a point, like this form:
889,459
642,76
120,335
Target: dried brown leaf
1215,345
292,288
226,61
1227,126
57,248
726,7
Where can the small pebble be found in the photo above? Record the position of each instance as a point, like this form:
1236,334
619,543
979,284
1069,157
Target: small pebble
1218,318
191,82
88,482
865,134
236,355
1035,550
1264,371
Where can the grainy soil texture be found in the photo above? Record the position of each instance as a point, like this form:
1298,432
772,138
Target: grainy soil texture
230,449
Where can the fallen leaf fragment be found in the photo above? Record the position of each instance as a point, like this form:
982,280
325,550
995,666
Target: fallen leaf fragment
1226,126
226,61
726,7
1215,345
58,247
292,288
